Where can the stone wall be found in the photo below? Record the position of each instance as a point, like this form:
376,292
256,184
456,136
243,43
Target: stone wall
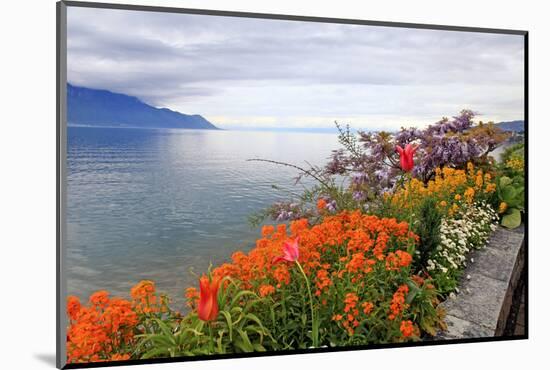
483,305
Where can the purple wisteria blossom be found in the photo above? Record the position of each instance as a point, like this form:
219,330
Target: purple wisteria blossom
371,162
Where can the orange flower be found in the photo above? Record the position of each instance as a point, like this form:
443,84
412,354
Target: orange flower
267,230
120,357
192,296
367,307
142,289
100,330
144,296
266,290
321,205
100,298
490,188
281,275
208,303
73,307
398,304
406,328
323,280
351,302
405,258
357,262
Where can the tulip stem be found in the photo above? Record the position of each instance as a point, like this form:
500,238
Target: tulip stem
314,328
409,206
211,343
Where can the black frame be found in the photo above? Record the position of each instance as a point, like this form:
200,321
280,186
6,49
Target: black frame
61,105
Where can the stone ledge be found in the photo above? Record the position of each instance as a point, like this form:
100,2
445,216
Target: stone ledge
483,304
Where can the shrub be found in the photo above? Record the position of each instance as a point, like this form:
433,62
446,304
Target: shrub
511,200
428,229
510,195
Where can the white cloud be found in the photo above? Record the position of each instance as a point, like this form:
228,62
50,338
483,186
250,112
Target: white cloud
245,72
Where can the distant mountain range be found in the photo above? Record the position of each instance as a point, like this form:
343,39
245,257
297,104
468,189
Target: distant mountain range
93,107
517,126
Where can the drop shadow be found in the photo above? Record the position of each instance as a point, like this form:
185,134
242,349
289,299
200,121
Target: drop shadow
46,358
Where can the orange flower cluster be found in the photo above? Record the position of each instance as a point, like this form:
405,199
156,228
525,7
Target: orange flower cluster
266,290
146,300
104,329
99,331
398,260
398,304
351,317
323,281
367,307
406,328
351,321
192,295
369,240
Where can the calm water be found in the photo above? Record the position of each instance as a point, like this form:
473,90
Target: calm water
154,204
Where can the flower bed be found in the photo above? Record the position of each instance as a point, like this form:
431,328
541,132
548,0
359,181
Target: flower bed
360,264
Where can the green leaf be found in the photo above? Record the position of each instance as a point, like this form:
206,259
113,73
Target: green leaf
229,323
508,194
254,318
505,181
244,342
166,331
155,352
241,294
512,219
258,347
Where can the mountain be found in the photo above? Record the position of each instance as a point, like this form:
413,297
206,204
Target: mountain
517,126
93,107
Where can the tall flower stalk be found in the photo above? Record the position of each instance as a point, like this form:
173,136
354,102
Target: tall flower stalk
406,157
314,323
291,254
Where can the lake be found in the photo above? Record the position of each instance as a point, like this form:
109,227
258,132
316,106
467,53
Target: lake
159,204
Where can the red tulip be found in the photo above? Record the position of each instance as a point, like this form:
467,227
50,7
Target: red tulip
208,303
406,156
290,252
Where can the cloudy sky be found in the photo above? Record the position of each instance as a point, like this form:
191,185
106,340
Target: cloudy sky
241,72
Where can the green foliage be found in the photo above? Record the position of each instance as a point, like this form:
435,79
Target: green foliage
237,329
515,151
424,307
427,228
511,194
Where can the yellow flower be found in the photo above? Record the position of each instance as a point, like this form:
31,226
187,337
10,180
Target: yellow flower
443,203
516,164
479,181
453,209
471,170
490,188
469,194
502,207
458,197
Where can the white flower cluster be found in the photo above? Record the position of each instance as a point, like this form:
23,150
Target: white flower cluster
469,230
